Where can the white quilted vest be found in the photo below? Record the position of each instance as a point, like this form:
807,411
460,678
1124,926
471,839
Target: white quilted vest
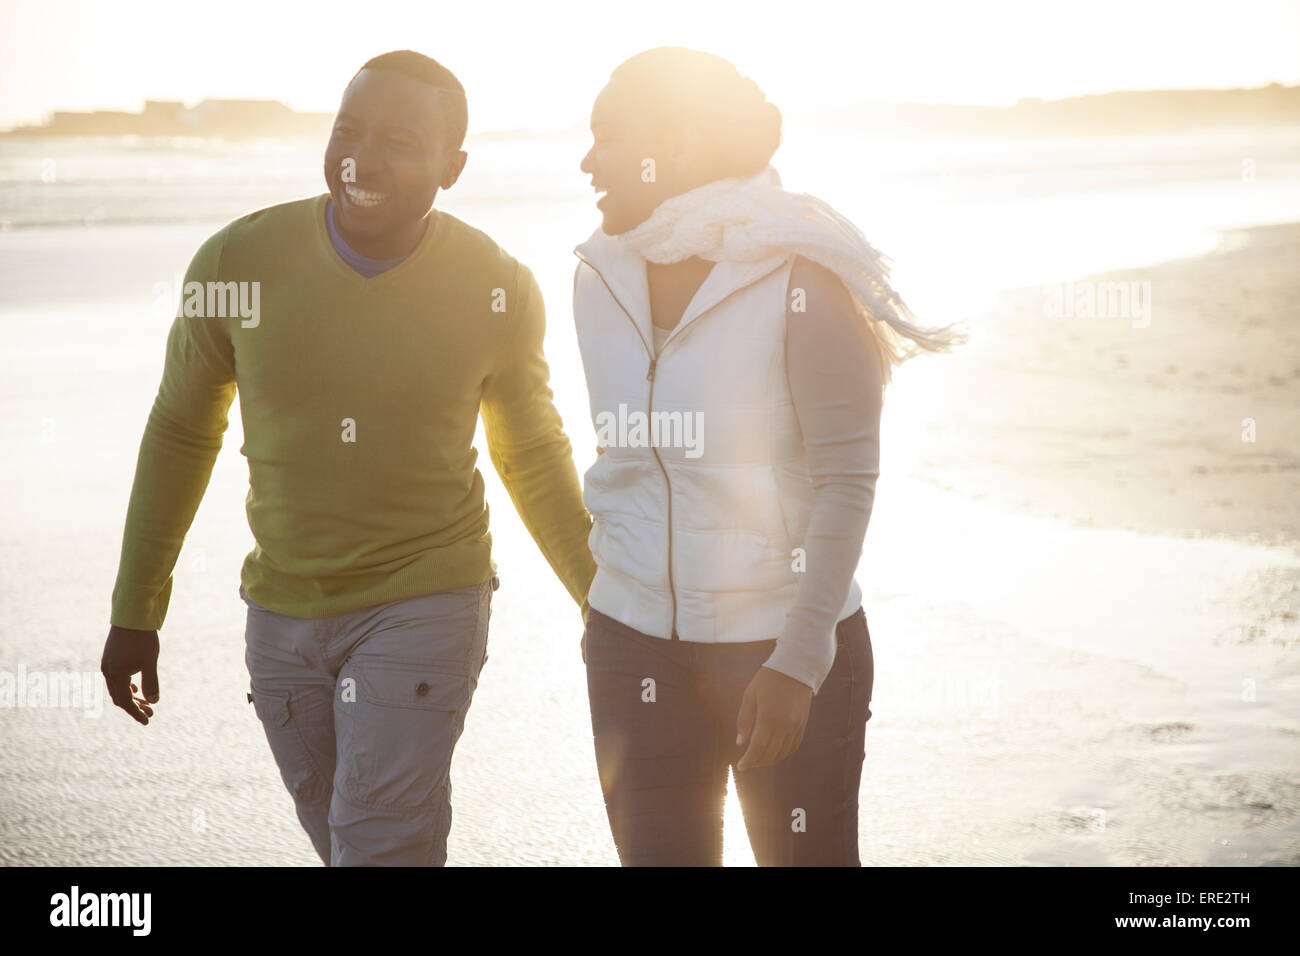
698,537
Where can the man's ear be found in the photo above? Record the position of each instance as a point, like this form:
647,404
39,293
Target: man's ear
455,166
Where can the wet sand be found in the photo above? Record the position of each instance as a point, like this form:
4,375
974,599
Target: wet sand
1109,422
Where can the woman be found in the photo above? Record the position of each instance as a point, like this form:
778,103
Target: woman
736,340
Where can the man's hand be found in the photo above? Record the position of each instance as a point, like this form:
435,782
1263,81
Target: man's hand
128,652
773,714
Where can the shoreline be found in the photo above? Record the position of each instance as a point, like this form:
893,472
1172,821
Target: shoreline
1183,427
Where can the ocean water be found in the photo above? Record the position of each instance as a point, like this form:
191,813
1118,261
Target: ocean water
1045,693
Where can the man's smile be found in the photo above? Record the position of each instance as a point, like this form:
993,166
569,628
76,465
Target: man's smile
363,198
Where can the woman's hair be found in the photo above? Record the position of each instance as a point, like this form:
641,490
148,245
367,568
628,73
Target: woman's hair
675,89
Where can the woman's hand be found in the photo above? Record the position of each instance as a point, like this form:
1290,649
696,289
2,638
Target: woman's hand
773,714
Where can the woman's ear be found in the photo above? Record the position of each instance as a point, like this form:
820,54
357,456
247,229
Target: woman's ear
688,156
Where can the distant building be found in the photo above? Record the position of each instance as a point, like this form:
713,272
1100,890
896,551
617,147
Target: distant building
218,119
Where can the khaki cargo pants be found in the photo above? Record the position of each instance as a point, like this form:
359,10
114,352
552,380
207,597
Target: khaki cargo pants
362,712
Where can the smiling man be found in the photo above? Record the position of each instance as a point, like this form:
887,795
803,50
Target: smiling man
386,327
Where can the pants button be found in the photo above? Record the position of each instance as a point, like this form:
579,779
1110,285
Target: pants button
423,689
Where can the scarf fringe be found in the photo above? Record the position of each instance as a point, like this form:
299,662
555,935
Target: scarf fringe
751,219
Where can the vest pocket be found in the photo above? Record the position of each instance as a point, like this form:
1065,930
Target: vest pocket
794,501
768,500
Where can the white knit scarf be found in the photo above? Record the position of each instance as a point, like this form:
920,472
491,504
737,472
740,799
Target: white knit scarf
748,220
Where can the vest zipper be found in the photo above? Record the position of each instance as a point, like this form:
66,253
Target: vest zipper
650,402
650,377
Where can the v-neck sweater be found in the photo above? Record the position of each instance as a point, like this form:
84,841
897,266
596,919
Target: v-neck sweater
359,399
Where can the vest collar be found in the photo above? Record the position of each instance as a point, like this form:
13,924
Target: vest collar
623,270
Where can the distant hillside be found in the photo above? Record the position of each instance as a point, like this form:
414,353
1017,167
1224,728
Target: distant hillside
214,119
1122,113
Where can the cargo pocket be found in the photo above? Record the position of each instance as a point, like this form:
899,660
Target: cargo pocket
397,737
272,709
299,770
415,687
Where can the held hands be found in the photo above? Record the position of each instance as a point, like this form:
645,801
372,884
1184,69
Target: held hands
128,652
583,643
773,714
772,718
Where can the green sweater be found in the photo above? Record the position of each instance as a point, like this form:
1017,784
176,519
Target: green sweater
359,399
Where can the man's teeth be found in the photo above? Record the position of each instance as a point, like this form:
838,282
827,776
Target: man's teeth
364,197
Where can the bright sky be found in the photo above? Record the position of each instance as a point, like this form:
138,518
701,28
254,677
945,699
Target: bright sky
539,63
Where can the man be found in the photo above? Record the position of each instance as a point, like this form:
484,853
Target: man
371,330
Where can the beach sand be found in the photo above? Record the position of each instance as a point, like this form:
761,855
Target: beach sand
1117,423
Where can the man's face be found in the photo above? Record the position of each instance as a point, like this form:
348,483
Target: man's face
387,156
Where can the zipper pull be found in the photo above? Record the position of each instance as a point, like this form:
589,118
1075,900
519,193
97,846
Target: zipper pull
650,374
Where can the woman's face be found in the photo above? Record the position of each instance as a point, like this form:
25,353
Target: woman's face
633,166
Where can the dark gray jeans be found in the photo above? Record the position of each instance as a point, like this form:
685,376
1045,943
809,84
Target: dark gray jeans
362,712
663,759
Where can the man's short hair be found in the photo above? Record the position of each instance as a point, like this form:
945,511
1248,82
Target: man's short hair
428,70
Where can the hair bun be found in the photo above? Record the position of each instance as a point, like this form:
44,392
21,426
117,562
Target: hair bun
676,86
